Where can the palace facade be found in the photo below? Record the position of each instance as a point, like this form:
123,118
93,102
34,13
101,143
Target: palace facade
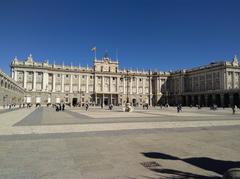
102,84
105,83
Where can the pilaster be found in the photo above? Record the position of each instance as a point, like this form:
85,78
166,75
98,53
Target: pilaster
71,83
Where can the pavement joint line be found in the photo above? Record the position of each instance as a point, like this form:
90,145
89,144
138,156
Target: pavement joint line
18,130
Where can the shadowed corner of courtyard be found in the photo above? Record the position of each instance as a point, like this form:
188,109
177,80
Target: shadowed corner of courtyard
205,163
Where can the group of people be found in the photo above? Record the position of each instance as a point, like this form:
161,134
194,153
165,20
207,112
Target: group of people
60,107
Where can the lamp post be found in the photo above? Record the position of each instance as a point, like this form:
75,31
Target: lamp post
128,108
127,77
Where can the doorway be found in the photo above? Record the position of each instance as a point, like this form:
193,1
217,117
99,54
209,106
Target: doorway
74,102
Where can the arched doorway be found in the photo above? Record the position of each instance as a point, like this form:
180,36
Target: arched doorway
236,99
184,100
218,100
226,100
134,101
202,100
74,101
189,100
195,100
210,100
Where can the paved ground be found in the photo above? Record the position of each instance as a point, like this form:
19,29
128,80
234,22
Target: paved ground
42,143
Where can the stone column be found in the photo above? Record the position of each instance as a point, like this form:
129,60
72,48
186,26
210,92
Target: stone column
79,84
206,100
110,98
222,100
102,83
199,99
150,91
213,98
131,82
86,83
95,84
212,82
34,81
143,81
15,75
62,83
160,85
124,86
137,85
45,81
25,80
110,84
54,82
231,101
103,99
117,78
71,83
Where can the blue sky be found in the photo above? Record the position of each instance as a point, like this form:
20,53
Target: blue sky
150,34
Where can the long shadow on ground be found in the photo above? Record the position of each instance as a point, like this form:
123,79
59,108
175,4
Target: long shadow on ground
206,163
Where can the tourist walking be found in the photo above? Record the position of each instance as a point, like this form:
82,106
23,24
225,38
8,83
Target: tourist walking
87,107
233,109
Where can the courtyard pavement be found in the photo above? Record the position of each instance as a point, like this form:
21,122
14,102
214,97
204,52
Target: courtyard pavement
99,143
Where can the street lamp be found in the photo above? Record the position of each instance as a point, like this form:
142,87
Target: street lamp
127,77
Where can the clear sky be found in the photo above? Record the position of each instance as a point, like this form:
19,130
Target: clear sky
150,34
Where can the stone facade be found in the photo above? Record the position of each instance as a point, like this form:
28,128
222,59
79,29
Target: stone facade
217,83
105,83
11,94
102,84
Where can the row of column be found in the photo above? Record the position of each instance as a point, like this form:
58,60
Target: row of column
45,83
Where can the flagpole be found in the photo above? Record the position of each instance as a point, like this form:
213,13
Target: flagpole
95,52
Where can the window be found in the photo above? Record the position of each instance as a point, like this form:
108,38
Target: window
83,76
101,68
114,78
75,76
109,69
140,79
66,76
58,75
91,77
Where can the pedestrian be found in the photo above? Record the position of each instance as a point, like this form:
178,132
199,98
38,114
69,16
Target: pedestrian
178,108
233,109
63,107
87,106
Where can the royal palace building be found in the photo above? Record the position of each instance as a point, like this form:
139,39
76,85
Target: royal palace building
102,84
105,83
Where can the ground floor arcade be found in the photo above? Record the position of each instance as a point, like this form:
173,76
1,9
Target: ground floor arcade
226,99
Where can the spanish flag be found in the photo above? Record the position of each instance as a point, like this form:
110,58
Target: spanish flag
94,49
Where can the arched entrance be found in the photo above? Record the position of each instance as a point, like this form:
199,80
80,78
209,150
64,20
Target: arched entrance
226,100
195,100
210,100
184,100
236,99
189,99
134,102
202,100
74,101
218,100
